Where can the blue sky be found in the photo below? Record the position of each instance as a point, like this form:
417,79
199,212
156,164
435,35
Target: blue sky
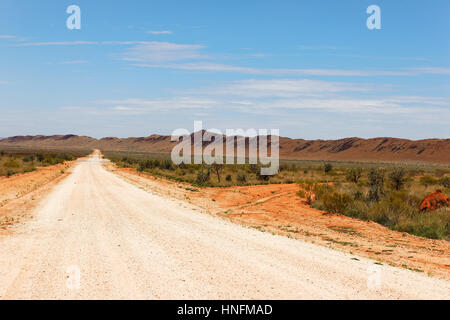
309,68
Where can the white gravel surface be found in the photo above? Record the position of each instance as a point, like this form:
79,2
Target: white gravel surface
127,243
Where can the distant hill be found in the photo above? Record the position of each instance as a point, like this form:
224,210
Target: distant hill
348,149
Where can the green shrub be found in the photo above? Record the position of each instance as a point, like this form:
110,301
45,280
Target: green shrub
261,177
307,191
389,209
217,168
354,174
336,202
254,168
358,195
241,177
397,178
327,167
12,163
321,190
51,160
434,225
29,169
203,176
167,165
427,181
440,172
376,184
445,182
29,158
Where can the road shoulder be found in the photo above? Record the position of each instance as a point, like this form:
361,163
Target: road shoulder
22,193
276,209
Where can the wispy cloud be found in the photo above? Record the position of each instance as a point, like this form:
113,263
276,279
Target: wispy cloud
124,43
13,38
141,51
68,62
78,43
283,88
156,32
137,105
346,105
73,62
321,47
3,82
282,97
274,106
164,51
260,55
207,66
201,66
155,54
432,70
379,58
56,43
276,95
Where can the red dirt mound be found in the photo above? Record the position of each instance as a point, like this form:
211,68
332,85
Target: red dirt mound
435,201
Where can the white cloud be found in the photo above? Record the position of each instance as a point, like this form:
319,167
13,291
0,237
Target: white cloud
253,88
152,53
201,66
143,51
277,97
206,66
419,100
56,43
379,58
122,108
342,105
256,96
159,32
140,106
164,51
3,82
304,47
260,55
432,70
319,108
78,43
123,42
73,62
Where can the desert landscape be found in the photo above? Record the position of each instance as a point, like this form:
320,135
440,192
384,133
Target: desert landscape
147,217
229,157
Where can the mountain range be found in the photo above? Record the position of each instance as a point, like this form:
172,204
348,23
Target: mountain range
347,149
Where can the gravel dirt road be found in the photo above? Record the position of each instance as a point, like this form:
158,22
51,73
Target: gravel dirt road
96,236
